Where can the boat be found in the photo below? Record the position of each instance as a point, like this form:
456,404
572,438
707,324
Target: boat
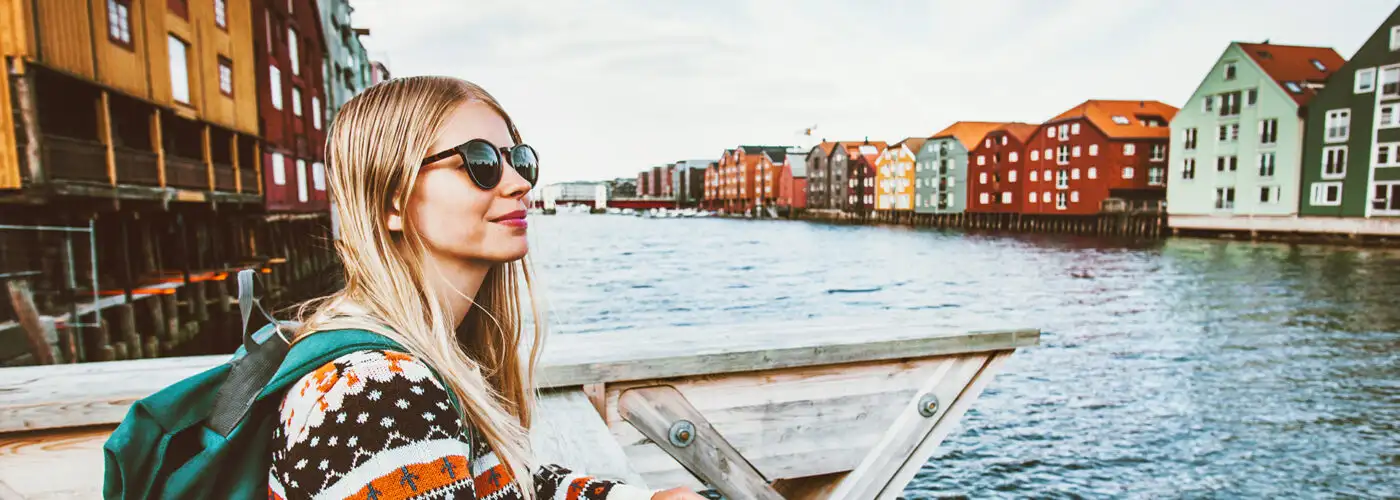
818,409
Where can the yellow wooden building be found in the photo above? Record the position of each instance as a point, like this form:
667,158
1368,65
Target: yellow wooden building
894,176
133,99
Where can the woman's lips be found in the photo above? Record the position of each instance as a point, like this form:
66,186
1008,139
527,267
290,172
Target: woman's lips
513,219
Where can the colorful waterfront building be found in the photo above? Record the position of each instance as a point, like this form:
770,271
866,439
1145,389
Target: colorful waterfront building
819,176
290,46
996,170
658,181
123,100
782,179
1237,147
859,161
347,67
894,175
643,183
940,171
688,181
713,180
1100,156
1351,147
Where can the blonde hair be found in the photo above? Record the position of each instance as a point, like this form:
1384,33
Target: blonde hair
374,149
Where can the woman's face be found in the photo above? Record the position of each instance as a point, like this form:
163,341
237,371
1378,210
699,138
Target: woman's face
455,218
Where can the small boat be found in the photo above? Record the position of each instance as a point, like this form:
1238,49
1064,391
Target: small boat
820,409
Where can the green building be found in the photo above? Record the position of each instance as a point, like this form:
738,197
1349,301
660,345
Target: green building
1351,149
1237,144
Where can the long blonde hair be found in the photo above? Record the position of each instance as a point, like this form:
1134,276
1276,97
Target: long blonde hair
375,146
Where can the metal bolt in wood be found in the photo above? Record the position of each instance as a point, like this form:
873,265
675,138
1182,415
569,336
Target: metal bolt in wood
682,433
928,405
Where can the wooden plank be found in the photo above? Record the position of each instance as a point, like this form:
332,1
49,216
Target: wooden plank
47,465
104,127
704,451
75,395
158,144
22,300
569,432
10,177
29,118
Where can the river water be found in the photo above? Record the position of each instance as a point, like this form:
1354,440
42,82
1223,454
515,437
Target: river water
1184,368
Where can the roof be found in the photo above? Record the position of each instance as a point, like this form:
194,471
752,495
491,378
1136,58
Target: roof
1121,119
798,161
826,146
914,143
1294,63
853,149
1021,131
969,133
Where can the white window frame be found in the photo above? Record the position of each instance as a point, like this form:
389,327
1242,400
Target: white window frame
1230,71
294,50
316,112
1225,198
981,159
179,57
279,169
1093,150
1093,172
1012,156
1049,153
1365,81
1156,176
1266,126
1034,177
983,198
302,194
1074,151
1062,155
1035,155
274,76
982,178
1074,173
1050,133
1064,131
1006,197
1062,179
1011,176
1060,198
1188,169
1268,164
1392,150
1157,152
1047,175
1128,172
1129,149
225,77
1328,153
1032,197
318,176
1270,194
1373,200
1319,194
1393,110
296,101
1074,128
1385,73
1395,37
1074,196
119,21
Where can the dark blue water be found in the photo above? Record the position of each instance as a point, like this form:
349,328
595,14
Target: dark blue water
1185,368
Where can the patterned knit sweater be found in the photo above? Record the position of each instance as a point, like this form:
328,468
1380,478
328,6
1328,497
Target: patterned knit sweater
377,425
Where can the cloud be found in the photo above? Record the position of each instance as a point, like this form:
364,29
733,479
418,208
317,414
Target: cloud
607,88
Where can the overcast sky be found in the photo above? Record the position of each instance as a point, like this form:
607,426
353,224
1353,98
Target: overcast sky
604,89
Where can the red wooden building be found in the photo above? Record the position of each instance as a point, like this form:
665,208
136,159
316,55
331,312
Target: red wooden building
782,177
289,49
860,175
1099,156
996,170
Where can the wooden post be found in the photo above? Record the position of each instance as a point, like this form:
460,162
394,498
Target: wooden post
155,309
172,322
42,335
29,118
104,131
208,157
237,168
158,144
126,321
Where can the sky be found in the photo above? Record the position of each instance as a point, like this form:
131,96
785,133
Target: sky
604,89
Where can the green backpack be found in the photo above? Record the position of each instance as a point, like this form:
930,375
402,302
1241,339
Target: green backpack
209,435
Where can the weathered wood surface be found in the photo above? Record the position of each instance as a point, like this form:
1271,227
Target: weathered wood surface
45,397
36,335
655,409
568,431
52,464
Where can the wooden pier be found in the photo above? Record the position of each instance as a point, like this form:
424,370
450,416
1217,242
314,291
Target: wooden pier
1149,225
819,409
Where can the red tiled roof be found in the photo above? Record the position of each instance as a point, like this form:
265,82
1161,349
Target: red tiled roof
1021,131
1294,63
914,143
969,133
1103,114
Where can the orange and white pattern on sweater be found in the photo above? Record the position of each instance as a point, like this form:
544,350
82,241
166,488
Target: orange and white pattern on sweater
378,425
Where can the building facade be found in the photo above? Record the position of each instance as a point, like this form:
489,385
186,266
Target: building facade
1237,146
347,69
940,171
688,181
860,176
996,170
894,175
1100,156
290,48
818,175
1351,145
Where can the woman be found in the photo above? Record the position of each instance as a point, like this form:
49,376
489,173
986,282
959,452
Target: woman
429,177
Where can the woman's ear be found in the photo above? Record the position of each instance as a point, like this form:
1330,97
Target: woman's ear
395,221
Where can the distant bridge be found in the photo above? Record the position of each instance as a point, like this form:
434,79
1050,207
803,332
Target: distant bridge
632,203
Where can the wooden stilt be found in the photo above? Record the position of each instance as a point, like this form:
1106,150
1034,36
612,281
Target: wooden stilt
126,322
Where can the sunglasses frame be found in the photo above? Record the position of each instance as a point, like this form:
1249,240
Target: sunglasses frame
504,156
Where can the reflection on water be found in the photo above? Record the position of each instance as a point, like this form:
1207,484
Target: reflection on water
1185,368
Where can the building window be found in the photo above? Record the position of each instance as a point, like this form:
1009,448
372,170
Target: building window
1074,129
1048,153
1230,104
180,8
1050,132
1032,198
1011,176
316,112
1293,87
1268,194
302,194
296,101
981,159
318,176
983,198
1006,198
1189,139
987,143
1093,172
1327,194
1003,140
1224,198
1035,155
1127,172
1365,80
1074,196
1251,97
293,50
119,23
1223,163
1267,161
1188,168
1155,176
1064,131
1388,154
221,13
1208,104
1074,151
279,169
982,179
1046,175
1334,162
179,70
1033,176
1121,120
1229,132
1388,116
1012,156
1395,38
1060,201
1129,149
1230,70
1158,152
1268,131
274,77
1386,199
1390,82
1074,174
1063,155
1062,179
225,76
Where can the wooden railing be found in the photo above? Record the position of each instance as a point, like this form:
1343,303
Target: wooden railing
250,181
186,173
67,158
223,177
135,166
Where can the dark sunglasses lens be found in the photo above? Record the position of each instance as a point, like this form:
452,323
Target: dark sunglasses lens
483,163
526,163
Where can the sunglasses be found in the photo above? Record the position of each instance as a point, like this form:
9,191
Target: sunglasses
485,162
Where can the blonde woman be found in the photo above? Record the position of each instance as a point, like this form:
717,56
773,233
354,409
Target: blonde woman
428,175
